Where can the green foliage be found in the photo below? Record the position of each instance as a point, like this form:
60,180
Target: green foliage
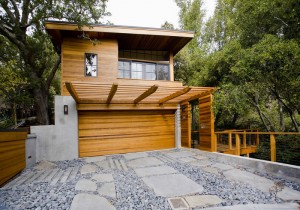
21,23
250,51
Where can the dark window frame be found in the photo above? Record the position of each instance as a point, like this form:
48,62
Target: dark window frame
85,64
144,73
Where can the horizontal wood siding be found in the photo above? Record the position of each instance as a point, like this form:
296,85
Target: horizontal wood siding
112,132
206,123
186,125
12,154
73,61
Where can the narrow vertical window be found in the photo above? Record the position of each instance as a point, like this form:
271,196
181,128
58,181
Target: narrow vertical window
91,65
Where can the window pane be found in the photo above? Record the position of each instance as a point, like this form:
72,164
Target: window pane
120,74
91,64
126,74
162,72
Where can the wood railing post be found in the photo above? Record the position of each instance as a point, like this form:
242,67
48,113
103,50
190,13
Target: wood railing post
244,140
230,140
273,147
215,143
237,145
257,139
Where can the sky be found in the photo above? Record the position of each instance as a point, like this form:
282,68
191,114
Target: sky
148,13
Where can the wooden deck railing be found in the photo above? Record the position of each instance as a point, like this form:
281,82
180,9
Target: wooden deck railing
248,143
12,154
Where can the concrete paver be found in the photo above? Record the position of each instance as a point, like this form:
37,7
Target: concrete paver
202,200
158,170
45,165
181,154
85,185
260,183
222,166
90,202
172,185
144,162
108,189
103,164
201,163
88,168
94,159
103,177
131,156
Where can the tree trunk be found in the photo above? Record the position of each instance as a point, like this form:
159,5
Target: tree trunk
14,114
261,117
41,100
281,116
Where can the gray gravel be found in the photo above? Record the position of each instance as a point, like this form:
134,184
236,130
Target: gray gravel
132,193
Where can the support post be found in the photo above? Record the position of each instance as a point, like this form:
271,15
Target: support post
230,140
177,127
237,145
273,147
257,139
244,140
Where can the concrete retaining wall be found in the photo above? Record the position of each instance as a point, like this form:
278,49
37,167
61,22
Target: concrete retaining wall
60,141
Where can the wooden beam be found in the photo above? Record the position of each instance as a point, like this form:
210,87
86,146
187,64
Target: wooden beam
147,93
126,107
112,92
206,93
174,95
72,91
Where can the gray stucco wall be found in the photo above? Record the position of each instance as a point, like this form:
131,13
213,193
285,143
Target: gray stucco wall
59,141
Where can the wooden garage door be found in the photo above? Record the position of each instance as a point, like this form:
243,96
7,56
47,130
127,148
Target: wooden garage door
112,132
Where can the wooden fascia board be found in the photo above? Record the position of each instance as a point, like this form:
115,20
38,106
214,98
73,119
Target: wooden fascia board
112,92
174,95
120,29
147,93
126,107
72,91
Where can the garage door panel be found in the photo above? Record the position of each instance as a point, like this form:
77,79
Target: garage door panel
102,133
125,123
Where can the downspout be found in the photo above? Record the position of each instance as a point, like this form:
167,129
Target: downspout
178,128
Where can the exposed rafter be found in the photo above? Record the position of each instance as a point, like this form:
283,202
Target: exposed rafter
72,91
147,93
174,95
112,92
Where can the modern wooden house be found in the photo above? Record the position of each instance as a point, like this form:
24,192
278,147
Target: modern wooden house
122,80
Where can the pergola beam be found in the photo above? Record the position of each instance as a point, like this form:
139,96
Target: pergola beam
145,94
112,92
208,92
174,95
72,91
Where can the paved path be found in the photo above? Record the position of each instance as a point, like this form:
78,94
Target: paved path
177,179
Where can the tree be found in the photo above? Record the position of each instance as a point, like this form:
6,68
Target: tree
167,25
21,22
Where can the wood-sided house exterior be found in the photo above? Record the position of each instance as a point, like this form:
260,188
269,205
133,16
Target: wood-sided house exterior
122,80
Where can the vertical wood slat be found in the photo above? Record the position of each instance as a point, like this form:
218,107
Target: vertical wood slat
230,140
273,147
237,145
186,125
244,140
12,154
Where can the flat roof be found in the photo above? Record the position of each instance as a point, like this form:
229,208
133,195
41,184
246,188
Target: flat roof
129,37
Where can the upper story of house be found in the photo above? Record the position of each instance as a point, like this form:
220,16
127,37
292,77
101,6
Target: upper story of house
117,54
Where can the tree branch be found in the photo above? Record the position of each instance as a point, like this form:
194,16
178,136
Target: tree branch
53,71
25,13
16,10
12,37
4,5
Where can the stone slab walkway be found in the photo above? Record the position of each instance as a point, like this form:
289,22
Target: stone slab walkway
167,179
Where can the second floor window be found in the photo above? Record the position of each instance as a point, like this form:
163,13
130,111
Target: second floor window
91,65
142,70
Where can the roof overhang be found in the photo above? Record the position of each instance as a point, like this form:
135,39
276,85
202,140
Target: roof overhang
129,38
93,96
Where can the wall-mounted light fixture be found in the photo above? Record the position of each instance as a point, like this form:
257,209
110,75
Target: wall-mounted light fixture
66,109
